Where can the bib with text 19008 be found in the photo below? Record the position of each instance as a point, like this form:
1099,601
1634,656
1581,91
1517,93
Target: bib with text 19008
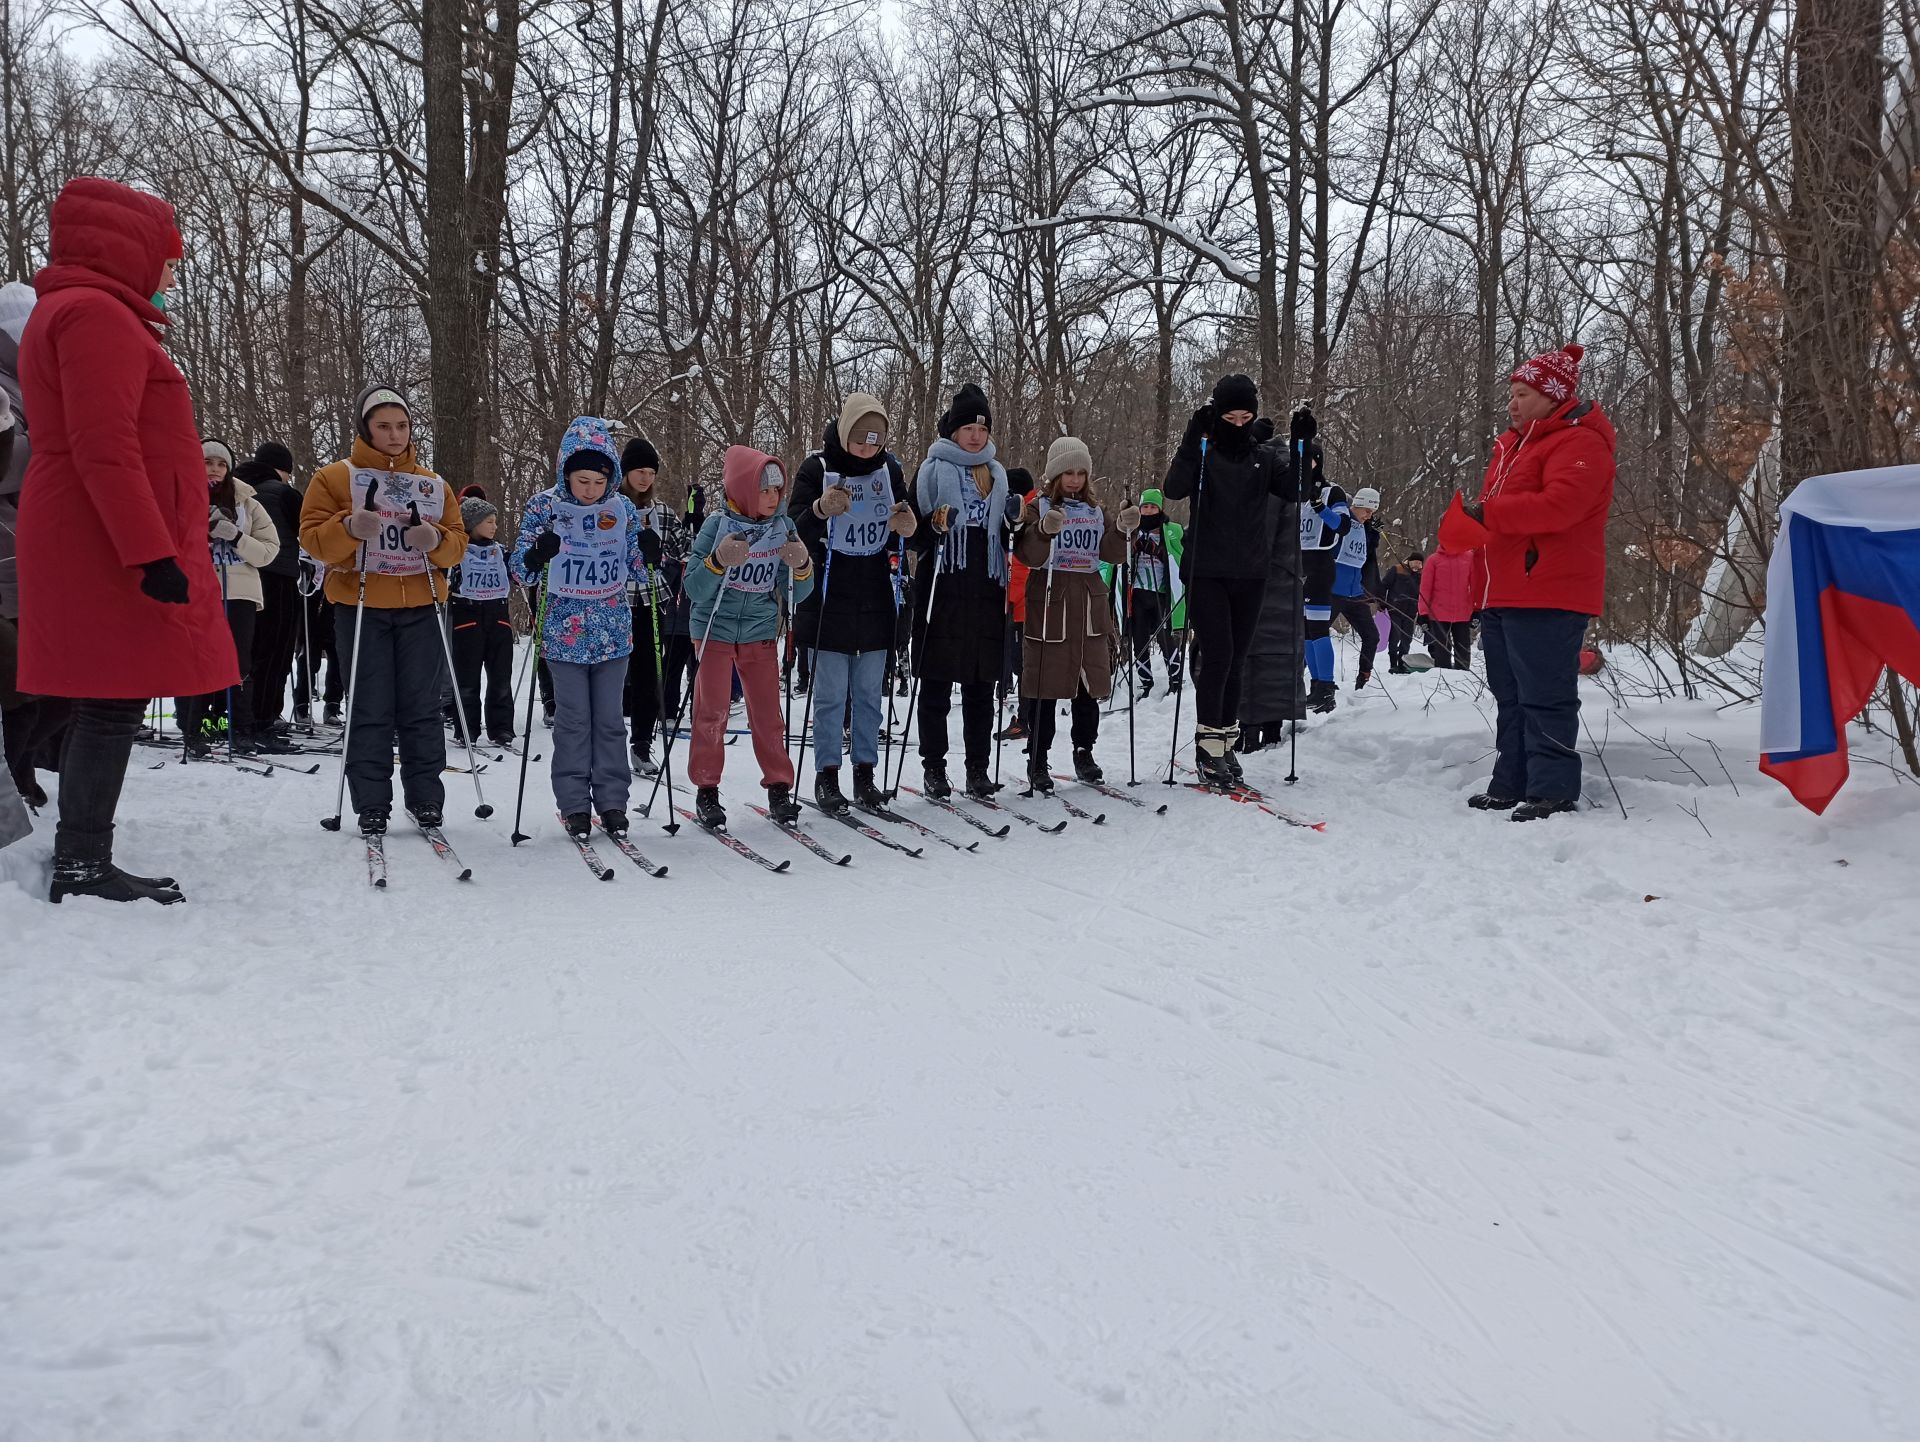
483,572
756,573
395,496
1076,547
592,564
862,531
1353,548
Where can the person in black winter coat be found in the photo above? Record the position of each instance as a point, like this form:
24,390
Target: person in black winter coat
277,632
1400,589
664,544
850,506
1233,475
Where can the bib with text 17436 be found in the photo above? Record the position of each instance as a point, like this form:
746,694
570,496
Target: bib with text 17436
396,495
1076,547
862,531
592,564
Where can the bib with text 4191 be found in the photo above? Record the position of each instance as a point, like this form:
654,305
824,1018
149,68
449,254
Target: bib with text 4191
395,496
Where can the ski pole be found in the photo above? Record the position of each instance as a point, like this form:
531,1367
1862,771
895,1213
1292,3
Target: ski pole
332,823
222,565
1299,612
660,691
1126,632
1193,528
1006,665
441,621
894,583
919,662
526,747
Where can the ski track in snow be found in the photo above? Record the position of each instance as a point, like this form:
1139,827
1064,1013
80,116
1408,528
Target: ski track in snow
1194,1128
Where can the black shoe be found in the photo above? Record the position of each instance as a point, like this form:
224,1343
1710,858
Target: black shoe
1012,731
707,810
106,881
279,726
196,747
1489,801
864,791
578,823
614,822
158,883
1534,809
781,806
933,780
1362,679
331,716
1320,697
980,786
1039,778
827,793
425,815
266,743
505,743
1214,771
1086,768
373,821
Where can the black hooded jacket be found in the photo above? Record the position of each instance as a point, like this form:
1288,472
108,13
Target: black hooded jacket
851,609
1233,485
281,502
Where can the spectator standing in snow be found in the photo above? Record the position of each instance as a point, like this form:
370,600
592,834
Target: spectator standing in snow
241,536
277,630
1400,589
1542,516
118,599
1451,586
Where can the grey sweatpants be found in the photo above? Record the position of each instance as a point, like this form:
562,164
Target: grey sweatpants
590,767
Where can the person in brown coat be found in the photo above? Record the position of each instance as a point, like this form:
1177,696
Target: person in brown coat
1067,644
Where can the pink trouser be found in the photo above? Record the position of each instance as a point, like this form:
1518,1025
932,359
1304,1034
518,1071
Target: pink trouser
758,663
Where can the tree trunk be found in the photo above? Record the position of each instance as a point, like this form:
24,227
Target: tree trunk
453,336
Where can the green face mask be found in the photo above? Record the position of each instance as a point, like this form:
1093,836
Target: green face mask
160,300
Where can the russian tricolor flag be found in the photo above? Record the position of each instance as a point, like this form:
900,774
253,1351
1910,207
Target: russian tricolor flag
1843,603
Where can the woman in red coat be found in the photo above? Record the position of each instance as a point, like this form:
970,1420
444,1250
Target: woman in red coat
118,600
1542,516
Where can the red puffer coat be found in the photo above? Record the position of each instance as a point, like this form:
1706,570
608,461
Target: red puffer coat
116,478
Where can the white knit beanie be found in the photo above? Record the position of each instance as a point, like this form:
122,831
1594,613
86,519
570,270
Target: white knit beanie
1069,453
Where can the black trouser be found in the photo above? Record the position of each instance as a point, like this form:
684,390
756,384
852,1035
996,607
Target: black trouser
275,636
1222,612
645,693
482,641
1451,643
1359,613
314,647
1146,621
396,700
1400,638
1533,670
976,720
93,767
190,711
682,666
1086,723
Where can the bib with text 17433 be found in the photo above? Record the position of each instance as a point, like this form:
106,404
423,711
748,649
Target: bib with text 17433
483,572
1353,548
592,564
395,495
862,531
1076,547
755,574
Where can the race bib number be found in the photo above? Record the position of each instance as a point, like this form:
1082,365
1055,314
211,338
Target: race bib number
755,574
1353,548
1076,547
592,564
1150,573
862,531
1312,533
483,573
976,513
395,496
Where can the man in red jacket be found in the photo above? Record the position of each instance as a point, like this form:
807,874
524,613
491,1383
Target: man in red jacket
1542,516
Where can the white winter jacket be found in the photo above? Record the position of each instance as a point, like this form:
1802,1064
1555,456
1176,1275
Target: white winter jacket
257,544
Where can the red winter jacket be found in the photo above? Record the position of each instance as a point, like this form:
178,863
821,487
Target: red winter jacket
116,478
1546,497
1452,583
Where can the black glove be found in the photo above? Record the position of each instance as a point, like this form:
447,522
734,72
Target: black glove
545,547
164,581
650,547
1261,431
1015,505
1303,427
1199,422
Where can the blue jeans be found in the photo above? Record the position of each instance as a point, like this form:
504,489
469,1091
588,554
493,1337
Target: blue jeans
590,768
838,677
1533,670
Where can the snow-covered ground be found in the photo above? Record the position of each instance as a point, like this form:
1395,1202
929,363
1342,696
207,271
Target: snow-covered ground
1195,1128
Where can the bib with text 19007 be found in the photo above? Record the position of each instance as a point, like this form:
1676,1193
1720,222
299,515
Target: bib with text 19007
755,574
1076,547
1353,548
396,494
592,564
862,531
483,572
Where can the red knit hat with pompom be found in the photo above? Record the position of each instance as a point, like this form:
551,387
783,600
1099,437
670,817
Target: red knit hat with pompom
1555,373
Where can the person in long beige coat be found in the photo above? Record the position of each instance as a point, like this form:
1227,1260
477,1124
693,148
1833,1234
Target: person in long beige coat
1068,642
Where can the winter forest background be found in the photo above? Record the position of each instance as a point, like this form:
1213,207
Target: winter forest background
710,219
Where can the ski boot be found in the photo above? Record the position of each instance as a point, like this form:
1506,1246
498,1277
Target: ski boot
614,822
980,786
642,759
1039,778
373,820
75,877
330,715
1014,730
579,824
933,780
1534,808
1492,801
781,806
1320,697
865,793
1086,768
425,815
1231,758
826,791
197,747
707,809
1212,748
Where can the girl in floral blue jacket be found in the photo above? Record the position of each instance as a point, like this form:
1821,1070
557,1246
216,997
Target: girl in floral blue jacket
580,544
